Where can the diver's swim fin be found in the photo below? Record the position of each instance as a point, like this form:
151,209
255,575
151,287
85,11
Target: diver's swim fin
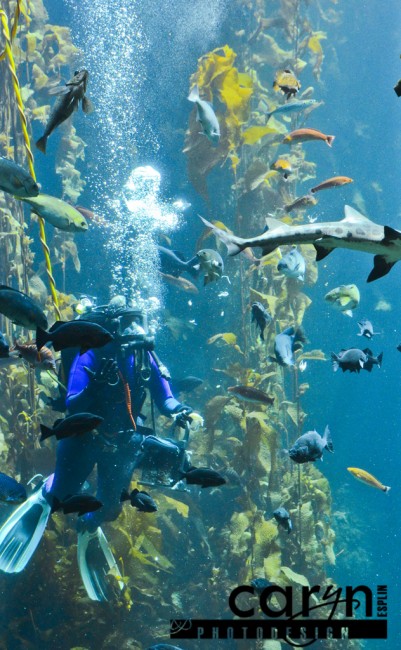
97,566
22,531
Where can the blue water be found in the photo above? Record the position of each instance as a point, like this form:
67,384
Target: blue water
140,55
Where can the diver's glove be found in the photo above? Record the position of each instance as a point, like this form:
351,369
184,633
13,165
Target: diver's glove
107,373
182,415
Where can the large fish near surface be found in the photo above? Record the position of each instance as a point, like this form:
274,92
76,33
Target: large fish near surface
354,231
15,180
70,95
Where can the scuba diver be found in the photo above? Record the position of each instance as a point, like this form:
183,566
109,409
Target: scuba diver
111,382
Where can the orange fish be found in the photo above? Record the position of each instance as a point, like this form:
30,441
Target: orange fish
367,478
303,135
336,181
42,359
180,283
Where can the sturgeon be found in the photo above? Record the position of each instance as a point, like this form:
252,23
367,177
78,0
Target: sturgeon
355,231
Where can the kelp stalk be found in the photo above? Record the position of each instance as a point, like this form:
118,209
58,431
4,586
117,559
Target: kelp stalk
20,105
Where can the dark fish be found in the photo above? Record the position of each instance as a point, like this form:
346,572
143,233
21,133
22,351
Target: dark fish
203,476
261,317
11,491
366,329
71,426
43,359
70,95
282,516
301,202
4,347
15,180
174,263
309,447
186,384
21,309
352,360
251,394
372,360
142,501
80,503
286,343
260,584
73,334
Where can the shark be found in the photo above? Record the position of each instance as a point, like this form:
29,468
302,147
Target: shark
355,232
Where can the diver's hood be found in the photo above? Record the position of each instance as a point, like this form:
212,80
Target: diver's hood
122,323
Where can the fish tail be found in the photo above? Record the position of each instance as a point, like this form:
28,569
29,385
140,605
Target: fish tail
334,361
46,432
41,143
380,359
42,337
125,496
330,139
328,440
194,94
386,488
300,336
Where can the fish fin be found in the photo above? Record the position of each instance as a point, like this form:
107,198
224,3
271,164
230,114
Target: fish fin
327,438
234,244
42,337
391,234
46,432
330,139
273,224
322,252
56,325
193,266
297,346
348,312
124,496
206,280
368,352
300,335
41,143
59,90
335,361
361,363
87,106
194,94
380,268
353,216
380,359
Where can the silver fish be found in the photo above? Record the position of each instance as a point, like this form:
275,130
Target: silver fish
15,180
293,107
206,116
354,231
309,447
292,265
211,263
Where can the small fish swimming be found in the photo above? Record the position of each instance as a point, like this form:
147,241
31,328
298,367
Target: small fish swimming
301,203
206,116
15,180
174,263
309,447
293,265
286,343
79,503
260,584
336,181
70,95
20,308
44,360
73,334
353,360
282,516
58,213
282,166
11,492
251,394
366,329
140,500
203,476
211,264
181,283
369,479
292,107
345,298
186,384
73,425
307,134
261,317
286,81
372,360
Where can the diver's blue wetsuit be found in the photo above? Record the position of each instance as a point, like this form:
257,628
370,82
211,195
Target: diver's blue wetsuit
115,449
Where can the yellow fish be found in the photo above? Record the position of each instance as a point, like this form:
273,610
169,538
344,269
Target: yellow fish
367,478
283,166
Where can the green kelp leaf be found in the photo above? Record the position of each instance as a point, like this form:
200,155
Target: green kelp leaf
152,551
295,578
179,506
268,301
255,175
293,414
272,565
313,355
227,337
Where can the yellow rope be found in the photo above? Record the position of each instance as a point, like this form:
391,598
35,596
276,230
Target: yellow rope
20,106
17,14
